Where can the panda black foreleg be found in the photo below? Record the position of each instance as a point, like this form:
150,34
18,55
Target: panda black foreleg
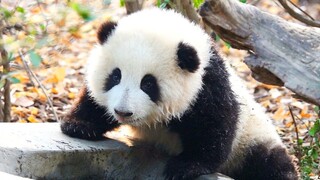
87,119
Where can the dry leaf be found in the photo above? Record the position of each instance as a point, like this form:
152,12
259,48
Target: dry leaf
279,114
22,121
54,91
33,119
58,75
34,111
71,95
23,101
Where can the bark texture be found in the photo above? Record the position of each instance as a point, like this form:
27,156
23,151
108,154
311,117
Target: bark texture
280,52
133,5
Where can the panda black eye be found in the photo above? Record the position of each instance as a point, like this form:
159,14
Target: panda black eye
147,85
113,79
116,77
150,87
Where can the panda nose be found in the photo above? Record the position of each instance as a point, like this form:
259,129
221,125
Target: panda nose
123,113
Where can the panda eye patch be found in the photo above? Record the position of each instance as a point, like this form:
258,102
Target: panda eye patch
149,85
113,79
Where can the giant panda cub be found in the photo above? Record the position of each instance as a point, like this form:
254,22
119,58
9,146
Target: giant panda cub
159,73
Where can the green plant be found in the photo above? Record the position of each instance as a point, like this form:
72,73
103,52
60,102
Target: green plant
197,3
163,3
309,157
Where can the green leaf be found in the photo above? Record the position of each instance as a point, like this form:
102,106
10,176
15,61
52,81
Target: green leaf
42,42
6,13
106,2
315,129
122,3
197,3
2,82
14,80
217,38
163,3
20,9
10,56
243,1
314,154
158,3
228,45
317,109
300,141
43,27
82,11
35,58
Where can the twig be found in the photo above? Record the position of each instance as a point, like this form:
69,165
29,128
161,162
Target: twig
26,67
301,10
40,85
297,133
298,16
307,126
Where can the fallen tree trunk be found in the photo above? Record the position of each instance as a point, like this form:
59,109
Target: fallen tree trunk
133,5
280,52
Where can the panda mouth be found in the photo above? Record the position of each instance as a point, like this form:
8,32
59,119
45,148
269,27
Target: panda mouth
125,120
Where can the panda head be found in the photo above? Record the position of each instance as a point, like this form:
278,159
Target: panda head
148,67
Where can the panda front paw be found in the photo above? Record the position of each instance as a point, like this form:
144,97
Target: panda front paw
179,168
82,130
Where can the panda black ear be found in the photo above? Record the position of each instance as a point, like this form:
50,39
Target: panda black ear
105,30
187,57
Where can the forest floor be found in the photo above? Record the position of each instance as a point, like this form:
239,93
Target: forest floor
68,38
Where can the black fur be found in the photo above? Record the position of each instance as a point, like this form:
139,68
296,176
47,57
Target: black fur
105,30
264,164
208,129
187,57
113,79
87,120
150,86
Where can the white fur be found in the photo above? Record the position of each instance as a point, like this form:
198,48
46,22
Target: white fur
154,35
254,126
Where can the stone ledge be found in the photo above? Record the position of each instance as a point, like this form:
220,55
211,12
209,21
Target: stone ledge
7,176
41,151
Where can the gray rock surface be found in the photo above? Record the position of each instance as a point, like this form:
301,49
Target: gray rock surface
7,176
41,151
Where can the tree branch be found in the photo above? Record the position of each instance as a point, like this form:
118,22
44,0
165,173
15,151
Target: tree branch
133,5
280,52
6,90
298,16
186,8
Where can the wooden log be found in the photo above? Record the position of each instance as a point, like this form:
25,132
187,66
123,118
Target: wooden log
133,5
280,52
